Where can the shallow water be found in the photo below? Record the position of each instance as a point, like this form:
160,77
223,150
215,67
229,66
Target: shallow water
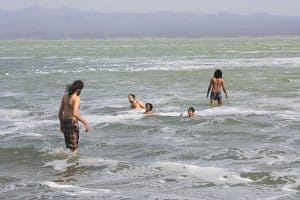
246,149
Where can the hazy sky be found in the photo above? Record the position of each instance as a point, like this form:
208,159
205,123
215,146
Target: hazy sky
279,7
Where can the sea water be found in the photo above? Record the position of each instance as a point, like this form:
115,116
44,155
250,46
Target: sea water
248,148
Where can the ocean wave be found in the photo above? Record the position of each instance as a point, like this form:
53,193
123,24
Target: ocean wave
75,190
158,169
117,117
225,111
72,160
150,64
13,113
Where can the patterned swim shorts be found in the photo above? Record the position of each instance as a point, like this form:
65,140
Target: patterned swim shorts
216,96
70,129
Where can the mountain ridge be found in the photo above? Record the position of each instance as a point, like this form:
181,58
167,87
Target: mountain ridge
44,23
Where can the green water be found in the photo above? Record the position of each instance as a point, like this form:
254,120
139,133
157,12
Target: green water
246,149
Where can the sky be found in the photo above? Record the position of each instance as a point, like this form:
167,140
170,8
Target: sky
276,7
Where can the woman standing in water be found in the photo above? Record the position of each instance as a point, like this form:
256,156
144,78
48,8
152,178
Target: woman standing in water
69,115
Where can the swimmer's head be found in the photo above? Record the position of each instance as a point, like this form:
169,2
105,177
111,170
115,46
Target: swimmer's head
218,74
191,111
149,107
76,86
131,98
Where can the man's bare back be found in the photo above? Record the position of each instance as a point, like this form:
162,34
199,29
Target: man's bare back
216,84
69,109
68,106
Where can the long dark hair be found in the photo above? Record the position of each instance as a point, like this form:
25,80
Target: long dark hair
76,85
218,74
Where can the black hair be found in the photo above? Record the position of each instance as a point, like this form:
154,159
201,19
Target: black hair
133,96
192,109
151,106
75,86
218,74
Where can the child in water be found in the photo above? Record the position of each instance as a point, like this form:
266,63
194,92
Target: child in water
215,86
190,112
149,108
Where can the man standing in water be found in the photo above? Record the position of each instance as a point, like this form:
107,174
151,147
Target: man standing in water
215,85
135,103
69,115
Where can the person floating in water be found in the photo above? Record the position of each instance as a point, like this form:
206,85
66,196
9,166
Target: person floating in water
216,84
149,108
135,103
69,115
190,112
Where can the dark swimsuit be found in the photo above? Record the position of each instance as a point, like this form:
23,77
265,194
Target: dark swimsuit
216,96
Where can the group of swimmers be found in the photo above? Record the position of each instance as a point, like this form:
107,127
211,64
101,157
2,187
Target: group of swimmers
69,115
215,85
137,104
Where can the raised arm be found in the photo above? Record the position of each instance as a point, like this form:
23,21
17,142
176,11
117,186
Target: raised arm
224,89
76,114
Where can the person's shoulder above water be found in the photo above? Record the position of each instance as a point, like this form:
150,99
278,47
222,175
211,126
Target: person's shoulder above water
135,103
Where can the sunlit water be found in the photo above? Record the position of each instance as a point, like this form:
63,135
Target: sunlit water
246,149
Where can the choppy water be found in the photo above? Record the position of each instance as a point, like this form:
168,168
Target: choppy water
246,149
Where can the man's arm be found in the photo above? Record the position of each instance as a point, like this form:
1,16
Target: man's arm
61,112
142,105
209,87
77,115
224,89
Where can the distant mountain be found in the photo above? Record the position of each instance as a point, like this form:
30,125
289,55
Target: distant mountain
42,23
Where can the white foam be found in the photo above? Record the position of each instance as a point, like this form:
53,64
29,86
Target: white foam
12,113
62,165
10,94
288,115
15,58
120,117
185,172
96,162
292,187
223,111
59,165
170,114
14,135
173,64
209,174
76,190
284,196
184,64
76,59
58,186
